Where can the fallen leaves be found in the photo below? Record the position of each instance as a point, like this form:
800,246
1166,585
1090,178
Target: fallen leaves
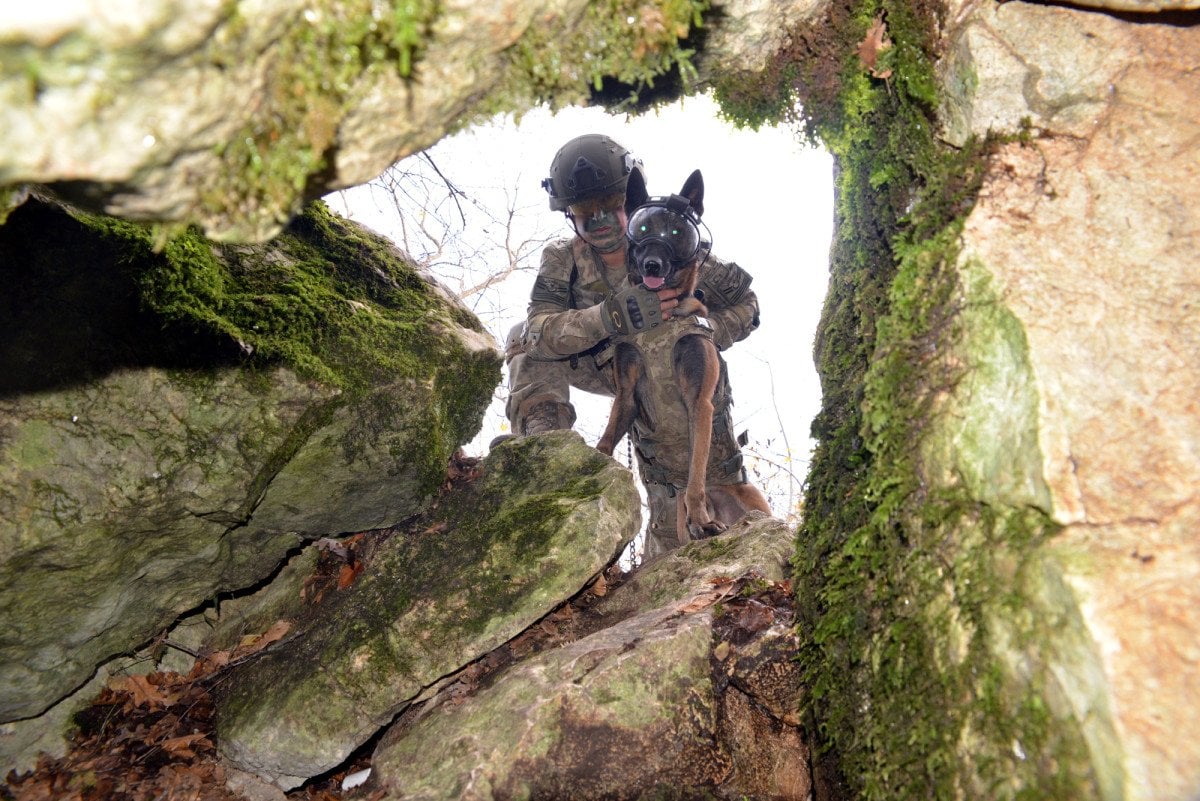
599,587
339,564
146,737
723,588
461,469
247,647
872,48
144,690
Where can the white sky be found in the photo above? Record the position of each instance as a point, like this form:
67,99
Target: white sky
768,204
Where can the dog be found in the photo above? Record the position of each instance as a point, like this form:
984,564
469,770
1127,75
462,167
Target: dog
667,252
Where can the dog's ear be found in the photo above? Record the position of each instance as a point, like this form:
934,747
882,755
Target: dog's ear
693,190
635,191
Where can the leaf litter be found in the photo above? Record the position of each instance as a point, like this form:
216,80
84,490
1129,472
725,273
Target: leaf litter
152,737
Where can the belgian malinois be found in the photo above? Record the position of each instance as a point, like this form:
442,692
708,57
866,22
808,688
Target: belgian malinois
664,240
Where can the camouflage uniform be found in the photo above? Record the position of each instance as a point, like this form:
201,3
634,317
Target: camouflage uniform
564,344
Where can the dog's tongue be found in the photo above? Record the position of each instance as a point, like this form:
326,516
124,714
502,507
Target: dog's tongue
652,282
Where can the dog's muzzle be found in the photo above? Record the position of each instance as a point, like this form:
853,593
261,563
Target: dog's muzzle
661,240
654,263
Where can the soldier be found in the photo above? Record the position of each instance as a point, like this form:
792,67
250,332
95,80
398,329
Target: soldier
575,308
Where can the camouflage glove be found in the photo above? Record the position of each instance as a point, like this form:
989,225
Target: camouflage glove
631,310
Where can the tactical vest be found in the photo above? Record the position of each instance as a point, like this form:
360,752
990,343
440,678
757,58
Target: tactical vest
661,437
661,432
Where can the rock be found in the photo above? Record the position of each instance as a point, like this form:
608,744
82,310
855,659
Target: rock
228,114
671,696
547,514
146,464
1057,70
250,787
998,567
752,32
1079,279
1090,239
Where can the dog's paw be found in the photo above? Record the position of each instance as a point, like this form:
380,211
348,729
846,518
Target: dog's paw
702,531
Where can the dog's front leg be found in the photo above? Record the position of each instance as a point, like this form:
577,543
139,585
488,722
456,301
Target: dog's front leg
697,370
627,368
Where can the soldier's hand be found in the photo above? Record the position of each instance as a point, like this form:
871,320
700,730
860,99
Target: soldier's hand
630,310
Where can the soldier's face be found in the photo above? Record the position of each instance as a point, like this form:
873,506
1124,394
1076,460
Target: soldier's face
601,223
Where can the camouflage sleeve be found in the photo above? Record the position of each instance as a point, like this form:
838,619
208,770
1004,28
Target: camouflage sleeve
555,329
732,304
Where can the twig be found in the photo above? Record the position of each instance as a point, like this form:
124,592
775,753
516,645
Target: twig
181,648
454,193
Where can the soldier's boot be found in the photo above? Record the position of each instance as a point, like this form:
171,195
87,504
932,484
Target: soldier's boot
545,416
661,534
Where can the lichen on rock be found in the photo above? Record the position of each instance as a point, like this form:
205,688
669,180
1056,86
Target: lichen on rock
175,415
547,513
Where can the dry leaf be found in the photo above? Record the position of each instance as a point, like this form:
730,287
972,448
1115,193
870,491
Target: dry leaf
565,612
721,652
335,547
599,587
347,575
210,663
874,43
277,631
182,746
253,643
702,601
522,644
141,691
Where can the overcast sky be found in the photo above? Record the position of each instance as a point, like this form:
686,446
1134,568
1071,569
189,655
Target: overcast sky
769,207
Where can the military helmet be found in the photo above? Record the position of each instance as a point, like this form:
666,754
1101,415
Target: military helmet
589,166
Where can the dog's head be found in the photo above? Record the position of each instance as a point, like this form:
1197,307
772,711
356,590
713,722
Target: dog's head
664,232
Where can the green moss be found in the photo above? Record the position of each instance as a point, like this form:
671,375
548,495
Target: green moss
709,551
327,298
908,581
316,68
751,100
567,62
415,610
10,198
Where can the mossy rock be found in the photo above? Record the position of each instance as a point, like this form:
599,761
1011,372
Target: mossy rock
176,415
547,514
636,709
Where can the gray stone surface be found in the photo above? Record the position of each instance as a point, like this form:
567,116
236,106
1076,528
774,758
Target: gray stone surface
133,490
681,695
1080,268
547,514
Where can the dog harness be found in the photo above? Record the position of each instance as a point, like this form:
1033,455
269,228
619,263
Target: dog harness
662,432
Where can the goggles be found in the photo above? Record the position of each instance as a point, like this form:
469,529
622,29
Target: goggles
587,208
658,224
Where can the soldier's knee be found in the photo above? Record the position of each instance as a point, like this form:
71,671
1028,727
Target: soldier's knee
514,343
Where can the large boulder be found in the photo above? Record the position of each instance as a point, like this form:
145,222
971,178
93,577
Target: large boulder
688,689
1005,608
174,420
228,113
1087,242
546,514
